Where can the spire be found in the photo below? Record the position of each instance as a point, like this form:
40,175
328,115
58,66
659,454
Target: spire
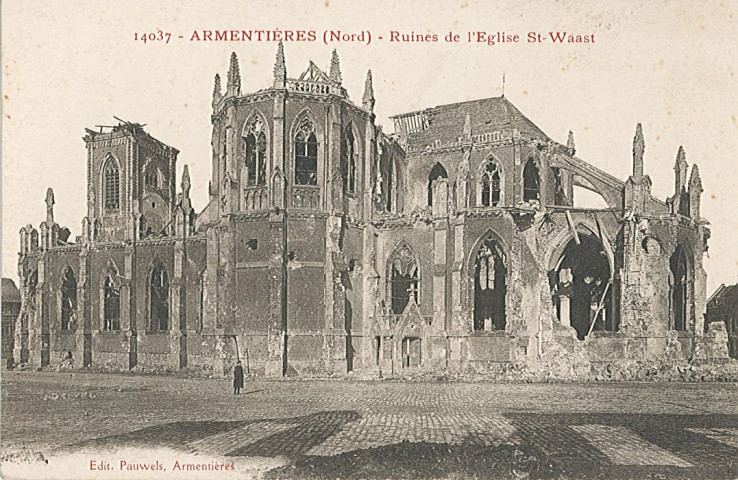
638,148
280,70
680,170
695,181
367,100
50,205
695,193
335,71
233,87
467,127
570,142
217,95
186,181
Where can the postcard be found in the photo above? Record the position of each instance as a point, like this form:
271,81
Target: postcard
333,239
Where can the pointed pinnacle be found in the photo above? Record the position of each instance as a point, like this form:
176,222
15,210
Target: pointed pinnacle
186,180
280,69
335,71
638,148
49,205
234,74
368,99
570,141
217,94
681,158
695,180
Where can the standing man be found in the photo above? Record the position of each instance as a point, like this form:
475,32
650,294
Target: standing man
237,378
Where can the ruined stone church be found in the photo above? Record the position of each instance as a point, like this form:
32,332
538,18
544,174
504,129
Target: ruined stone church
329,246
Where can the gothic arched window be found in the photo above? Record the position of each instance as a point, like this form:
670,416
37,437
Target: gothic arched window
111,304
490,289
680,290
491,182
390,185
531,182
151,179
256,147
159,298
111,180
32,284
559,193
68,298
348,160
403,279
201,304
436,172
306,154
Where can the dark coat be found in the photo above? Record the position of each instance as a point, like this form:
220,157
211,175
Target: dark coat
238,376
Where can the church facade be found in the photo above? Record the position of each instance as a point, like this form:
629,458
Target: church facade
329,246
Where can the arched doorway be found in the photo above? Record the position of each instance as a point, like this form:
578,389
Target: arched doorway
583,293
679,289
490,286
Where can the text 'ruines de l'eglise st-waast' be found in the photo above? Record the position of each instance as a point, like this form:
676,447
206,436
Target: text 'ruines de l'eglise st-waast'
392,36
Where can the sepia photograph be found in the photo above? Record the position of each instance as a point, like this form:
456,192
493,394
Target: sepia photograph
369,240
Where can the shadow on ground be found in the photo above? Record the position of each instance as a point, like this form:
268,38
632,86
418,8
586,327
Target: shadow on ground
425,460
292,437
542,446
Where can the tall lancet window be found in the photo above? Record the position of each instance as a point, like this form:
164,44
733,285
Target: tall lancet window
490,274
151,179
404,279
111,303
256,147
436,172
159,298
306,154
69,298
348,160
491,184
531,182
390,194
111,185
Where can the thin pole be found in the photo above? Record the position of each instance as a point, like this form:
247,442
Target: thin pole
599,309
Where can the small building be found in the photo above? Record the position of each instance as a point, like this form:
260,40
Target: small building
11,308
723,307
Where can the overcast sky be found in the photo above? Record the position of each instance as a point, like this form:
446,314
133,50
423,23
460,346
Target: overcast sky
668,65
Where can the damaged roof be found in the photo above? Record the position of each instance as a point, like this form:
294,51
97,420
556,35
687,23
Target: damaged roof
447,122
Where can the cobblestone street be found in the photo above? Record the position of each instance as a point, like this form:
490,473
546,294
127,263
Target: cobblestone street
628,430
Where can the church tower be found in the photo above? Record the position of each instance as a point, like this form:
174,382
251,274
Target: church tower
130,185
